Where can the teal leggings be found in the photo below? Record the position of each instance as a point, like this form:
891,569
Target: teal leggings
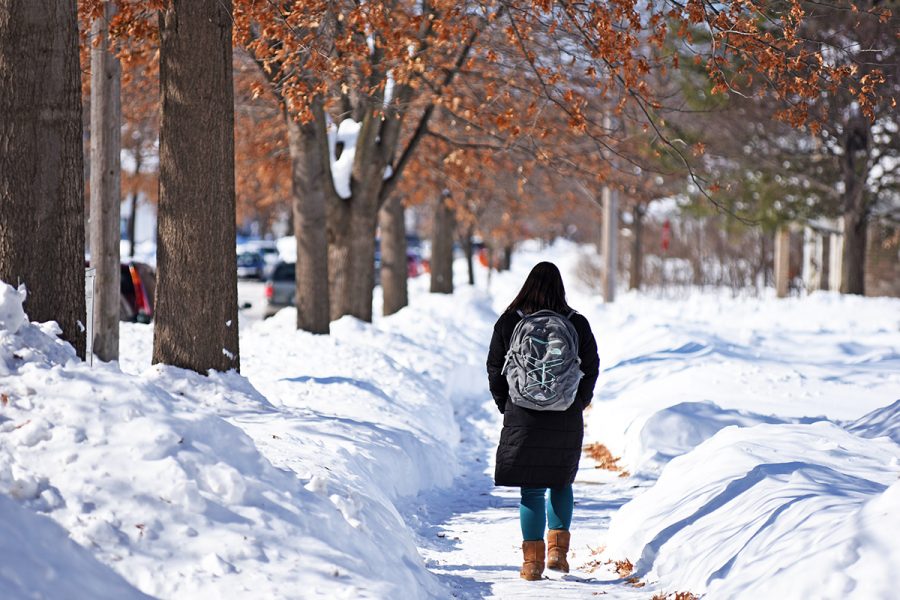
537,510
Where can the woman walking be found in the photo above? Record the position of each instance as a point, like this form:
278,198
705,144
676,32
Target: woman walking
543,427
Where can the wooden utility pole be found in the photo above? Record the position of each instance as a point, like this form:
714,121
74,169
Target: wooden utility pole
196,293
782,261
42,162
106,145
609,244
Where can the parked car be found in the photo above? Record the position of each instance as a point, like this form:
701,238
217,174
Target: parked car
414,263
138,287
250,265
281,288
266,249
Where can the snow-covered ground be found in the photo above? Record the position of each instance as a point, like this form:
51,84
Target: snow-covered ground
761,440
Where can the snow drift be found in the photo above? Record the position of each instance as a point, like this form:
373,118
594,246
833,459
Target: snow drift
202,487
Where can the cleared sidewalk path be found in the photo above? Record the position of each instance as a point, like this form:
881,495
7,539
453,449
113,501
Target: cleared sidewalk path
469,534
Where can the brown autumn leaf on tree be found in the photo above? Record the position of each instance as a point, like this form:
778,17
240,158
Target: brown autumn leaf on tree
528,84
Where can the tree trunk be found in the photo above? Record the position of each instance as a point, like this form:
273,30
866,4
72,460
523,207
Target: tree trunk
469,249
442,247
762,267
196,293
309,221
637,247
106,144
338,211
42,162
853,277
394,270
132,222
351,258
363,222
855,166
352,223
696,257
506,258
133,201
826,263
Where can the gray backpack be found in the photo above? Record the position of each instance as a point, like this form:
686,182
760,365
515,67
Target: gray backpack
542,365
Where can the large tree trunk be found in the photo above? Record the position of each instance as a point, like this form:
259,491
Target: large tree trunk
637,247
42,162
363,223
394,270
196,294
442,247
855,166
106,144
352,221
339,275
309,221
351,257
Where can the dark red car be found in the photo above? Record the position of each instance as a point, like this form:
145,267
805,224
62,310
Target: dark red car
137,286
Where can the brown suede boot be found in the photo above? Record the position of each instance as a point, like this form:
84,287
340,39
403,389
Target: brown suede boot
557,547
533,565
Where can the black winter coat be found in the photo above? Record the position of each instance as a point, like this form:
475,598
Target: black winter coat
540,448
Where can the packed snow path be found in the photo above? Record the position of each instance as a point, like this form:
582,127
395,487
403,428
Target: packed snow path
469,533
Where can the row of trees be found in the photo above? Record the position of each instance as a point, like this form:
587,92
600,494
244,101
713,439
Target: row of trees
42,183
485,104
842,163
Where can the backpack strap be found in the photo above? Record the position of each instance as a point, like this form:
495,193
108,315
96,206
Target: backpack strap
521,314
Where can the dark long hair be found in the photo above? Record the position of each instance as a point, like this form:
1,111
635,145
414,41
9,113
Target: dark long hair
543,288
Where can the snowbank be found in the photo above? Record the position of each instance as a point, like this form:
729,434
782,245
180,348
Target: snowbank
881,422
677,429
223,486
40,561
771,511
675,372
